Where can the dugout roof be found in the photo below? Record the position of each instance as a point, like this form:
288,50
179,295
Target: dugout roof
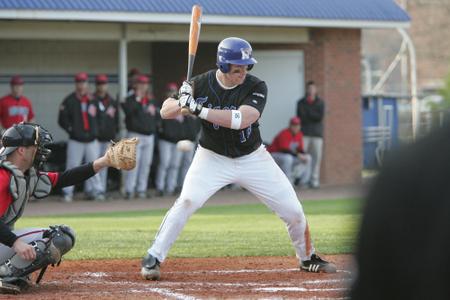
293,13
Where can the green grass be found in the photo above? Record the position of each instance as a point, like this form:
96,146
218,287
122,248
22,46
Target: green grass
238,230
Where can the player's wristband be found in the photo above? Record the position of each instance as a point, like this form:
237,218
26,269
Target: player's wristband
203,113
236,119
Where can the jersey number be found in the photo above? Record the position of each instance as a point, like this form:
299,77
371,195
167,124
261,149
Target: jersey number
245,134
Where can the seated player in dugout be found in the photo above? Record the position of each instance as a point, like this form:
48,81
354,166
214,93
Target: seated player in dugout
230,101
24,251
288,152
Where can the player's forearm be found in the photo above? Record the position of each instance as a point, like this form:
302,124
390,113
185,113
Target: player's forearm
100,163
224,118
75,175
219,117
170,109
7,237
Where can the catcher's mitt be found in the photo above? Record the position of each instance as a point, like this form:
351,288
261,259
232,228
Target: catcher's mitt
122,155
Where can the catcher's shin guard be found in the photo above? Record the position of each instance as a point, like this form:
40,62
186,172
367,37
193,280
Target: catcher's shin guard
57,241
62,236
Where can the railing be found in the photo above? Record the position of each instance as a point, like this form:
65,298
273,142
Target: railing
433,119
380,135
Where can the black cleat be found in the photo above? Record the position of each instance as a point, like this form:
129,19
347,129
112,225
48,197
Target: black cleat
8,288
14,285
317,265
150,268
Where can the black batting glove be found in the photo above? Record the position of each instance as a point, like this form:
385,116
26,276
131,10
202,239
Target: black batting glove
185,100
194,107
185,89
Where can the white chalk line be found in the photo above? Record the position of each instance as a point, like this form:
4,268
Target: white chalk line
235,271
245,271
225,284
182,284
95,274
297,289
320,281
164,292
164,286
103,274
143,288
168,289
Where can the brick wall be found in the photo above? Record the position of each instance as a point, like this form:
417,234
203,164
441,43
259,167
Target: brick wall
332,60
334,65
431,36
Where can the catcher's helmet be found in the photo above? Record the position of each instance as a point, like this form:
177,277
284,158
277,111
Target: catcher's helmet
27,134
234,51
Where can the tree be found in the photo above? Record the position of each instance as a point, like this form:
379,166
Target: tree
445,91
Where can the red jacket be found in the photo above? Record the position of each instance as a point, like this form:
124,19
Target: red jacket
286,142
13,111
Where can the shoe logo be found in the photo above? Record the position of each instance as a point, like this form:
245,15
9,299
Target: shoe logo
314,268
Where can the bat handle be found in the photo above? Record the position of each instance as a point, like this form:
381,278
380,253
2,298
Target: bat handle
185,111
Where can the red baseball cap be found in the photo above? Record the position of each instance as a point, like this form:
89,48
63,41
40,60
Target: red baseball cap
101,79
16,80
142,79
295,121
81,77
172,86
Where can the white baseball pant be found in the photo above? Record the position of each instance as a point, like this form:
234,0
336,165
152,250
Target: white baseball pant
186,160
313,146
169,166
294,167
103,174
26,235
76,151
258,173
137,179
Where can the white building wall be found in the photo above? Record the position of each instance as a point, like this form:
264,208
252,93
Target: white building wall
284,73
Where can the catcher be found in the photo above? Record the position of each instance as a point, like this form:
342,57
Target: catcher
23,251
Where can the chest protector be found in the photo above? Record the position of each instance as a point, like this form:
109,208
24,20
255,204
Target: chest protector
22,187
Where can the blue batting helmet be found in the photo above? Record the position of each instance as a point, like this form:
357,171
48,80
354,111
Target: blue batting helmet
234,51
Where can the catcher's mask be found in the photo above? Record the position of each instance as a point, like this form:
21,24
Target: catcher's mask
25,135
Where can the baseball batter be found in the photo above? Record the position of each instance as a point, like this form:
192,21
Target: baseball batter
230,102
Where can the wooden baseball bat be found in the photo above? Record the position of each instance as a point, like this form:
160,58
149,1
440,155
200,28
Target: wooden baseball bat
194,34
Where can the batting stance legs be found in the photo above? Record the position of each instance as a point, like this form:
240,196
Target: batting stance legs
251,172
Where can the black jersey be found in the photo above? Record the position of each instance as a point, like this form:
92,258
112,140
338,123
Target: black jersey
225,141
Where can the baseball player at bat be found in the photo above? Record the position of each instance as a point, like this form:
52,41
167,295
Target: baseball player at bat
23,251
230,102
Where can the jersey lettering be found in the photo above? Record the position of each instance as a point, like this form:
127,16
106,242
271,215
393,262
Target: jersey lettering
18,111
259,95
201,100
245,134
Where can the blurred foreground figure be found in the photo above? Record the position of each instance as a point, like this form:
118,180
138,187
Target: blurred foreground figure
404,242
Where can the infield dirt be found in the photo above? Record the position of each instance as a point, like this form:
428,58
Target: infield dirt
188,278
